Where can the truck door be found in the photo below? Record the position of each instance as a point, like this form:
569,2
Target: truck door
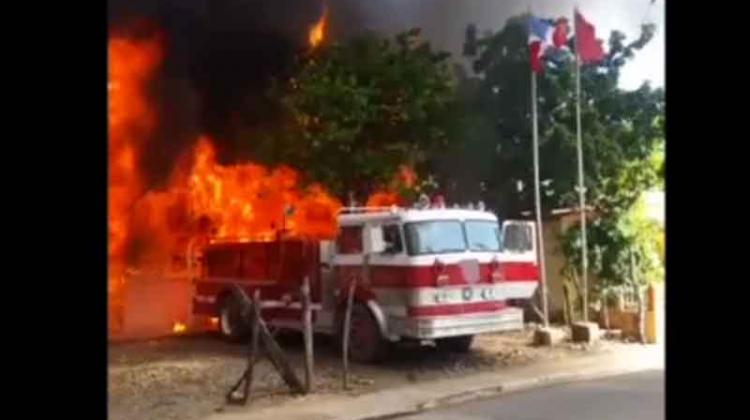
386,254
518,262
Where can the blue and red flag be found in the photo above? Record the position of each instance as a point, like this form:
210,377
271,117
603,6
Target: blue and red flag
543,35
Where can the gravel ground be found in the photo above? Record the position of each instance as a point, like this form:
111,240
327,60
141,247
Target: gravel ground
186,377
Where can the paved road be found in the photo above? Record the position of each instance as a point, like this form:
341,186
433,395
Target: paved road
634,396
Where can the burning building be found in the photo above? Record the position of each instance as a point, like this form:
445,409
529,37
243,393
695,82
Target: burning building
168,190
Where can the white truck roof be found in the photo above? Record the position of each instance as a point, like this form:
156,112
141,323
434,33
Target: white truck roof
415,215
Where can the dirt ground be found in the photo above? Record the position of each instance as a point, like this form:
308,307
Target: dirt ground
187,377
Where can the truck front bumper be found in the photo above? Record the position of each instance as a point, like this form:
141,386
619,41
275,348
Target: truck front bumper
429,328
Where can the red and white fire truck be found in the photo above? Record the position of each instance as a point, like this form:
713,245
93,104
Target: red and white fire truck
434,274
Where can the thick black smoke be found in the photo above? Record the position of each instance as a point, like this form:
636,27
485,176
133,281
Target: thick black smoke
220,56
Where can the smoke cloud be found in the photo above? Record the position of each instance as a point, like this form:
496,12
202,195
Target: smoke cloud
220,56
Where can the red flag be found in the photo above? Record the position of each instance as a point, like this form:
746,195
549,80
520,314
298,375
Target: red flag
589,48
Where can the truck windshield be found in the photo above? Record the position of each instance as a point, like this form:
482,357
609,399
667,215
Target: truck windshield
483,235
434,237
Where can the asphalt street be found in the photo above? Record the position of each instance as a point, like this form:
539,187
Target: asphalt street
633,396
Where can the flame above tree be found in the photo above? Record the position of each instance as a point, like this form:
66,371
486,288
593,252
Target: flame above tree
318,31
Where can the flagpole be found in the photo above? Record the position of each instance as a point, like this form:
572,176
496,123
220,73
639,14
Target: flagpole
538,200
581,186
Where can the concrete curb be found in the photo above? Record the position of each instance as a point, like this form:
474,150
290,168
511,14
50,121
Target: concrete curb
506,388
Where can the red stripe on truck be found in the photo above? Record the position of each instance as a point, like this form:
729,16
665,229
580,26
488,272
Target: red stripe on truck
426,276
520,271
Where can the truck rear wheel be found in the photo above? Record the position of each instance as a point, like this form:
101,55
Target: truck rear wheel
232,327
460,344
366,344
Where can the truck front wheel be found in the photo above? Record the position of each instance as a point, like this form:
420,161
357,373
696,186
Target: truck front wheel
366,344
232,326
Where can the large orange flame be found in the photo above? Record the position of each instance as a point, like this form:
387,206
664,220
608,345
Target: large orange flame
241,202
251,202
131,65
152,229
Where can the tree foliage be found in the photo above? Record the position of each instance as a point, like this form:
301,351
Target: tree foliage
361,109
612,241
620,129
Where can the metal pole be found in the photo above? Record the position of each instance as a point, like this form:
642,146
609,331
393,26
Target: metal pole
308,334
538,199
581,188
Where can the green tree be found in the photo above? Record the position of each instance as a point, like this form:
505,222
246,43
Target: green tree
612,242
625,248
361,109
620,128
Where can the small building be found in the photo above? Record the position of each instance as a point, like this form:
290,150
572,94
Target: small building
554,226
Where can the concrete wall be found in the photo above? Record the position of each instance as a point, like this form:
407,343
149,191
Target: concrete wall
555,261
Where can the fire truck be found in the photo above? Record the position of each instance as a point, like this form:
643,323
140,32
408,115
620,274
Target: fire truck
431,274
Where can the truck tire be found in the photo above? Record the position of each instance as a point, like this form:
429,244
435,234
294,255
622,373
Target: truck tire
460,344
232,327
366,344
